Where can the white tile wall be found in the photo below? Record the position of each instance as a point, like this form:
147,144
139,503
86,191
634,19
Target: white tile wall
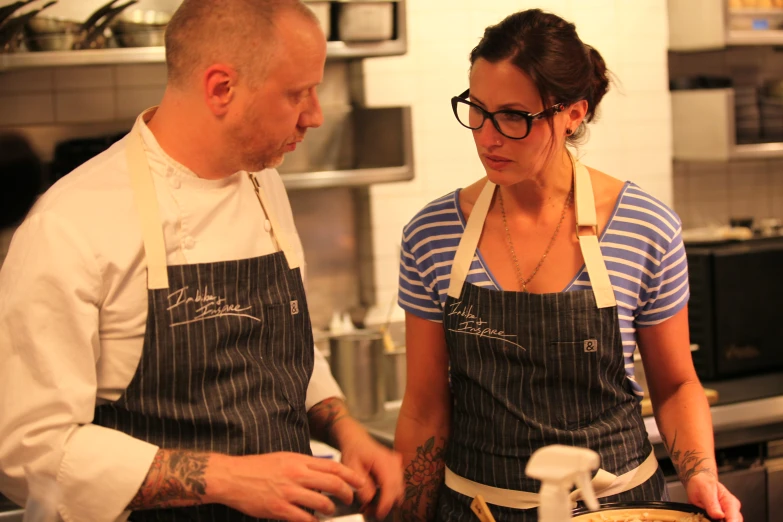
632,139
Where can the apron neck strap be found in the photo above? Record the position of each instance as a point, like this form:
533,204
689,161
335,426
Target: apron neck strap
277,231
584,199
146,200
470,240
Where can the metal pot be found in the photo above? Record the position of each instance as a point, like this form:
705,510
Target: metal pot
357,363
141,28
622,511
11,28
54,34
396,374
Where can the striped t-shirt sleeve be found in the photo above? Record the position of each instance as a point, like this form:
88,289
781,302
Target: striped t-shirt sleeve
664,281
434,231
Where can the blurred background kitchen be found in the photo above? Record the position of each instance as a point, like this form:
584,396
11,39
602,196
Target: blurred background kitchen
695,117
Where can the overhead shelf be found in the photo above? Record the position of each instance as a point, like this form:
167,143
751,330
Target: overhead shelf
702,25
704,128
128,55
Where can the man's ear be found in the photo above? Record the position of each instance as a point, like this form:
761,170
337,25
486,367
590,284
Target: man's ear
220,82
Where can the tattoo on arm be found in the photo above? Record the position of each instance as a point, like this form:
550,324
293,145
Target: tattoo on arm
324,415
423,477
175,479
688,463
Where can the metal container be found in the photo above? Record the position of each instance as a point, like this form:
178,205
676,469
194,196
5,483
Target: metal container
371,20
642,510
396,374
357,363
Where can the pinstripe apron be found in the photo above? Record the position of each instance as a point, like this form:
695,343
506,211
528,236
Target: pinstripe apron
227,355
530,370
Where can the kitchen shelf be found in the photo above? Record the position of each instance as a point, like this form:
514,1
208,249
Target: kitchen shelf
346,178
768,37
128,55
702,25
368,145
704,129
335,50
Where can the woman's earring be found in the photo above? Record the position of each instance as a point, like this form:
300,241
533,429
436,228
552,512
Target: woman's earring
568,132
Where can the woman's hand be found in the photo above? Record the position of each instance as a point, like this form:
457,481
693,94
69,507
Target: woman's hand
705,491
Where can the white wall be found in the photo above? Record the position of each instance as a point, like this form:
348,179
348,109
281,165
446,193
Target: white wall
632,139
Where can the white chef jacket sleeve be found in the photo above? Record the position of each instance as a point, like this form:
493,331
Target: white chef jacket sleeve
50,285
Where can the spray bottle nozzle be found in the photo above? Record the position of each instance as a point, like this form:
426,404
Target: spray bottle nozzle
560,468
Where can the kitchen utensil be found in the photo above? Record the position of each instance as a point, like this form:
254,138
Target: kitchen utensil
7,10
481,510
622,511
54,34
10,31
356,360
141,28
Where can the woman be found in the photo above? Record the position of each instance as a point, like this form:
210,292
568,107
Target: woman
527,293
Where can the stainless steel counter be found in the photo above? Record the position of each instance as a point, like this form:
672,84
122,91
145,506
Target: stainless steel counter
749,410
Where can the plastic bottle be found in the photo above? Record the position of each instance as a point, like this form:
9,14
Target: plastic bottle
560,468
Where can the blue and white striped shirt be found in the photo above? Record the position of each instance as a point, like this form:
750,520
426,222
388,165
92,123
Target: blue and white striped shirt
641,245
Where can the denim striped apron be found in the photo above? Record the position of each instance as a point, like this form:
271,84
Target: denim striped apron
227,354
530,370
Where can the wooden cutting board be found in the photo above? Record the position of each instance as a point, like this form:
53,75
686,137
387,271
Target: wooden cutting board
712,398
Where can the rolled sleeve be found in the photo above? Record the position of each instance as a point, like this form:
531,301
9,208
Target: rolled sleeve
49,345
322,384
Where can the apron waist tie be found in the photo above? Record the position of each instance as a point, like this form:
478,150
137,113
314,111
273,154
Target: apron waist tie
604,483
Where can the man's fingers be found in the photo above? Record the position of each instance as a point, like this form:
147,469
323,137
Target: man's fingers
354,479
313,500
328,483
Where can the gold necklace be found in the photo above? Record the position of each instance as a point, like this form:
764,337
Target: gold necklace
524,282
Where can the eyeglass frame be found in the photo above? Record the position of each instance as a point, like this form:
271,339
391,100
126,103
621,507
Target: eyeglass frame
462,98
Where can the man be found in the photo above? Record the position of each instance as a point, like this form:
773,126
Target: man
155,345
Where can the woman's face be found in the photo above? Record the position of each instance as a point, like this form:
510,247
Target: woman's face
501,85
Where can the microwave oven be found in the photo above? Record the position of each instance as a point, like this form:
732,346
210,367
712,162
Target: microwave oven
736,307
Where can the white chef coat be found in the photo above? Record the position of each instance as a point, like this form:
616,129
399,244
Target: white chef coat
73,312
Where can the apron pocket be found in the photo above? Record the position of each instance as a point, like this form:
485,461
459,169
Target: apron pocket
570,380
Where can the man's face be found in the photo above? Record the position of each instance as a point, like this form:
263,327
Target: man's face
276,111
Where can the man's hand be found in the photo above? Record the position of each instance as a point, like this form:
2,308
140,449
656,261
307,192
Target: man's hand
278,485
274,485
380,467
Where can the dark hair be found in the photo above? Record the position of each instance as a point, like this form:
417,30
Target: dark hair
547,48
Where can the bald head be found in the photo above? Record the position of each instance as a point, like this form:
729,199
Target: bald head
240,33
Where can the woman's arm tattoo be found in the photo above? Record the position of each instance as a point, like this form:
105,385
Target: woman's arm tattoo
176,479
423,476
688,463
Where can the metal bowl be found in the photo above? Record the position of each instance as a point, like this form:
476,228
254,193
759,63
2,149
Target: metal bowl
132,34
51,34
622,511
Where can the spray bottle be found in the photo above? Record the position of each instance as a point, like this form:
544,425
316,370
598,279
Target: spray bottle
560,468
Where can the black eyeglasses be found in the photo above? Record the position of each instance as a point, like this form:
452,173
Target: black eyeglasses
510,123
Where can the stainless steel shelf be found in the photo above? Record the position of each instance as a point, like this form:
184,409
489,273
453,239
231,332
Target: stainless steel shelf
770,37
346,178
26,60
757,151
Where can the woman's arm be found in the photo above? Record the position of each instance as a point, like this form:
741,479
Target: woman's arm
683,414
425,417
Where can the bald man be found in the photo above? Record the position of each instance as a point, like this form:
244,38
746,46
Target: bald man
156,347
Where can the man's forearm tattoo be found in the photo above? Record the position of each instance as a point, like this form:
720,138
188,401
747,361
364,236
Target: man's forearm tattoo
175,479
